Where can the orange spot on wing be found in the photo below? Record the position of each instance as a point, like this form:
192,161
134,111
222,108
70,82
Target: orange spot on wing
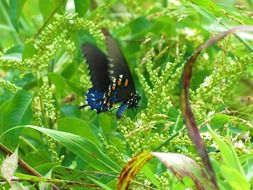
119,82
126,82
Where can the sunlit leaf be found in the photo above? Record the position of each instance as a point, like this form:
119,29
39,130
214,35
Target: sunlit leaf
228,153
100,184
78,127
59,83
235,178
83,148
29,50
47,7
81,6
15,112
15,11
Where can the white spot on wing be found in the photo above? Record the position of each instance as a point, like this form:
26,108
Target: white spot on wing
111,72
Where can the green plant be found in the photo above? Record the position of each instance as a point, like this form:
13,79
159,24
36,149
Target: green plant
43,80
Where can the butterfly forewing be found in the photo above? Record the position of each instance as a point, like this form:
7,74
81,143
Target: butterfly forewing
98,66
118,65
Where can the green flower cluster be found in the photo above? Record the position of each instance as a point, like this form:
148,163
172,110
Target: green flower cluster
93,28
9,86
217,86
37,112
157,83
52,149
112,150
47,102
14,63
51,39
85,77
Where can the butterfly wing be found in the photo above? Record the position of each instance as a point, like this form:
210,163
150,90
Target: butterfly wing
118,68
112,81
98,66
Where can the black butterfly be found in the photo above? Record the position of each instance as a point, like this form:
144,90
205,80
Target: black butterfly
111,79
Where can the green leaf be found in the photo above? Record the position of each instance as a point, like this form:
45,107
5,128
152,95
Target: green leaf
247,164
107,123
15,51
59,83
81,6
47,7
29,50
16,111
15,10
235,178
227,152
80,177
8,32
151,176
86,150
66,183
65,173
219,120
140,26
100,184
70,111
78,127
74,87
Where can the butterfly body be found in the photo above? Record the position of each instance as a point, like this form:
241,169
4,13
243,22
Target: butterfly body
111,79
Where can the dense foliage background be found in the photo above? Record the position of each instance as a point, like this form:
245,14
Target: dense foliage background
43,79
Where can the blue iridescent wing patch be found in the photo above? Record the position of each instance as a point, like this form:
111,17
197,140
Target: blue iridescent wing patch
97,100
111,79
